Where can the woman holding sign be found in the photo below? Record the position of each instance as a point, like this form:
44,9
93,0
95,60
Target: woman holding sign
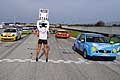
43,28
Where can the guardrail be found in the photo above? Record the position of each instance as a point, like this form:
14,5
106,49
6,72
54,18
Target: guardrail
104,30
1,31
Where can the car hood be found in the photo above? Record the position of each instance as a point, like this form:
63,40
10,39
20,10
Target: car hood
8,34
102,46
116,44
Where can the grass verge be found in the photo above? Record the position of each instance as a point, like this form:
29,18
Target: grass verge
118,57
73,33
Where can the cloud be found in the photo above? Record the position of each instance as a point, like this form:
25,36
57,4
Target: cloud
83,11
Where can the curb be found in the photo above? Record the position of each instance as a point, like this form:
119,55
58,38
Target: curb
72,38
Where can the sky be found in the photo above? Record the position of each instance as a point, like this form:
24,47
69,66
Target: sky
60,11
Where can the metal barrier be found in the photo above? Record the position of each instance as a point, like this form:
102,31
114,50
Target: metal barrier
104,30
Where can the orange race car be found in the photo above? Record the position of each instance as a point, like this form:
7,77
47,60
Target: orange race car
62,34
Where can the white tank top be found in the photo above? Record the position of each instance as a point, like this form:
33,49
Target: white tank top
43,30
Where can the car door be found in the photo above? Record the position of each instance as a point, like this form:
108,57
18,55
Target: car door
80,42
77,42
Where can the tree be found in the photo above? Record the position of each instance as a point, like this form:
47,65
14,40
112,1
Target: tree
114,25
100,23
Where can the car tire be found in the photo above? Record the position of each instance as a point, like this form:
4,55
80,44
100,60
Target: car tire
16,39
85,54
20,37
113,58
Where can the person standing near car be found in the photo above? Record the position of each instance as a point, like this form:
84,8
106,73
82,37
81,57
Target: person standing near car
43,28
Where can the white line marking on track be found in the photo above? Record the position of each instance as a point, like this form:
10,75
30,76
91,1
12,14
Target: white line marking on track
117,62
10,61
53,61
80,61
32,60
21,61
0,60
40,60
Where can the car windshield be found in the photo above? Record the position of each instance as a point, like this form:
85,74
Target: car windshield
97,39
62,31
10,30
26,29
115,39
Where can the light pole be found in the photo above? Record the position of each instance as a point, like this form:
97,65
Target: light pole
14,20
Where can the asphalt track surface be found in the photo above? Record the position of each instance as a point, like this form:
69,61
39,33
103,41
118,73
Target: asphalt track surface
16,62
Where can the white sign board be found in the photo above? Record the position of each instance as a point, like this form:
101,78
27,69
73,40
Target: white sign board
43,14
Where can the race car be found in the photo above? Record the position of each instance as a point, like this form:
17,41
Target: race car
26,31
94,45
10,34
62,34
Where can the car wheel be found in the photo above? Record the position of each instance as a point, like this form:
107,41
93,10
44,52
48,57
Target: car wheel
113,58
16,39
85,54
20,36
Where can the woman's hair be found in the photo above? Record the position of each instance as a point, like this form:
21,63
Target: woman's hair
43,25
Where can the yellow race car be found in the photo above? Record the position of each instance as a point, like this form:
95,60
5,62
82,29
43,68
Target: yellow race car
11,34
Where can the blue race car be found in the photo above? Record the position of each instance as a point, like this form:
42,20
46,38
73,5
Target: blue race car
93,44
118,48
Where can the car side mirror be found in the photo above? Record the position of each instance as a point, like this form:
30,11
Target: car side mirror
82,40
111,42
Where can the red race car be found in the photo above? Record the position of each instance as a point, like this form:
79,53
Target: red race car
62,34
